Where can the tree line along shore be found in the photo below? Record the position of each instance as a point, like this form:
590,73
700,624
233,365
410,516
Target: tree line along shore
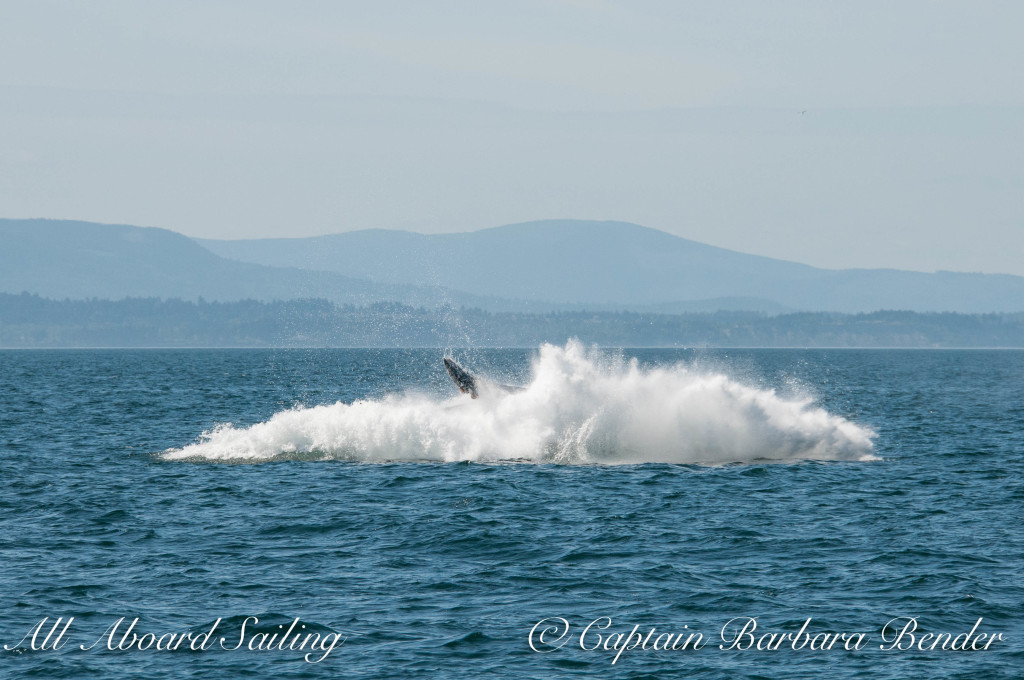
31,321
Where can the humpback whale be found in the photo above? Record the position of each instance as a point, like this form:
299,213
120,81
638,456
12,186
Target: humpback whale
468,384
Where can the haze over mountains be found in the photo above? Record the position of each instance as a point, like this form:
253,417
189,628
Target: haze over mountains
539,266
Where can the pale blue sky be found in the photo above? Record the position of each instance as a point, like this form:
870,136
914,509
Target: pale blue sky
840,134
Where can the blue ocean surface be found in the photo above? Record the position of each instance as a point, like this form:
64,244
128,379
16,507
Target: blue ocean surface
380,525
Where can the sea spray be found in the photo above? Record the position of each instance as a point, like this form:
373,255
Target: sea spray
579,407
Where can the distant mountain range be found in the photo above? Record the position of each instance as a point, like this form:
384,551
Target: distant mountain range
535,266
620,265
78,260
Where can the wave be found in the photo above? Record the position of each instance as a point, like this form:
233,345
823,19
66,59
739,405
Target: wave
580,407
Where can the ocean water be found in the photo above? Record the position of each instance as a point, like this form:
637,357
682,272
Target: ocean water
719,498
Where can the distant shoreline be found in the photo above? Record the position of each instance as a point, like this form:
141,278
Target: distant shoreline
33,322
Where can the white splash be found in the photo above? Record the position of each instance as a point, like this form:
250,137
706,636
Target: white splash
580,407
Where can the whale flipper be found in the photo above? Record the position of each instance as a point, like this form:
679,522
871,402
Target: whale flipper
463,380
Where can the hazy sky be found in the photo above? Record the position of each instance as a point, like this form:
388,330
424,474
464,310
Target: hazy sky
840,134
